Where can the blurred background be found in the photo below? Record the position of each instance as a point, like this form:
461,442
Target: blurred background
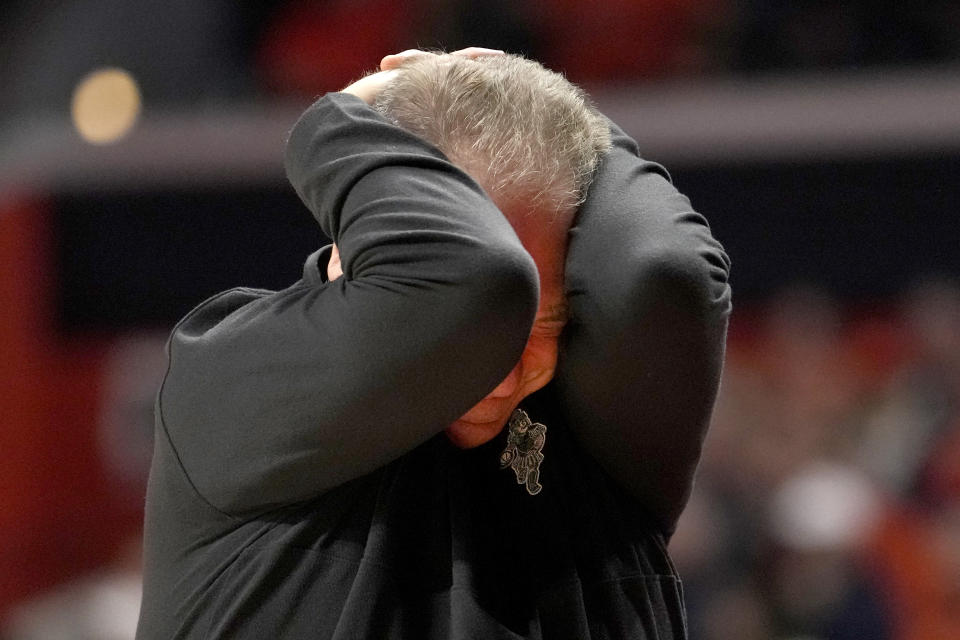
140,171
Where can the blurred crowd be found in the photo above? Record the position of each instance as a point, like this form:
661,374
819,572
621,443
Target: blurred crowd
616,41
186,53
828,499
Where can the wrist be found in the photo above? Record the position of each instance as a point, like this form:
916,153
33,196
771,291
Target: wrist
369,86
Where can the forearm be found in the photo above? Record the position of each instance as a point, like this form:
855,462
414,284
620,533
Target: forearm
641,360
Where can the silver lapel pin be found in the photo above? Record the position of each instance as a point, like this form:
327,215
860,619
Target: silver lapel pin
523,452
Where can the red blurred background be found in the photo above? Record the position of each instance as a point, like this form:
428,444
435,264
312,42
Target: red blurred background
821,139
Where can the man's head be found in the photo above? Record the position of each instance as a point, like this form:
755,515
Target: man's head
526,134
532,140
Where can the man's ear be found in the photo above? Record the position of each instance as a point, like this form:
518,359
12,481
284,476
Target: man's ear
334,269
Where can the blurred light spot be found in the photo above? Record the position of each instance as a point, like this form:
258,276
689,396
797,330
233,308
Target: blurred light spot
824,507
105,106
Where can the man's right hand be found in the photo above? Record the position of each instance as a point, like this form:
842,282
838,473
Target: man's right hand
396,60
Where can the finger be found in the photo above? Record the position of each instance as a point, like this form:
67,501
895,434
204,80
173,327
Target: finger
395,60
477,52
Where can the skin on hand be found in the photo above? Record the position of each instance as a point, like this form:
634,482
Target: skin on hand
368,87
396,60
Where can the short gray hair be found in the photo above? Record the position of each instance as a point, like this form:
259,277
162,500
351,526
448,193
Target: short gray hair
523,132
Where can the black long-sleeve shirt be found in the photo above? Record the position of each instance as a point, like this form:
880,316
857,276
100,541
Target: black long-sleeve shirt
301,486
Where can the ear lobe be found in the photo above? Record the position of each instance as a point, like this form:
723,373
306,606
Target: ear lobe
334,268
468,436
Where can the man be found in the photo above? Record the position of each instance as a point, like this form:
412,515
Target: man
479,412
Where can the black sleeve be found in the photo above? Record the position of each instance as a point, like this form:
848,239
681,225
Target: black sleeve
274,397
641,358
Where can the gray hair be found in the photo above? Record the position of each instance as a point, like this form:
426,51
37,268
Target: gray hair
525,133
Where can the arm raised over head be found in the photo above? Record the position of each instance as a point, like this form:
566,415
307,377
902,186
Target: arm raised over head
641,358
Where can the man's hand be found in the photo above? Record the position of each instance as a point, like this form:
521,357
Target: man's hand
396,60
368,87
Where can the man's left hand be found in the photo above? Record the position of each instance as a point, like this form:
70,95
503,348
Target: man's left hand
368,87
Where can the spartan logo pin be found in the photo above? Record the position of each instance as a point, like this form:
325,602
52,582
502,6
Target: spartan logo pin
525,442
